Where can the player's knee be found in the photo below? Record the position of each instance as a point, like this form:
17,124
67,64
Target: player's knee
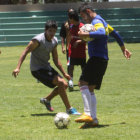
82,83
62,84
66,85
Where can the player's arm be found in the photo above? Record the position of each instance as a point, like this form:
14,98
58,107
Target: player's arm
63,45
119,40
31,46
58,63
115,35
68,39
98,32
63,36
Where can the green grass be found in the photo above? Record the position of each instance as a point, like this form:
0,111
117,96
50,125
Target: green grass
22,117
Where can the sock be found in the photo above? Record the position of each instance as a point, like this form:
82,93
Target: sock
86,95
70,83
46,100
93,105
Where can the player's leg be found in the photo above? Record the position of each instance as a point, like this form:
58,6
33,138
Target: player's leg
100,65
82,63
93,109
51,79
62,86
46,100
67,60
93,106
70,72
89,75
86,96
46,77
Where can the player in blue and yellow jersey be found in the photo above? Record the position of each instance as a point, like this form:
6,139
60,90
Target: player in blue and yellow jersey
95,68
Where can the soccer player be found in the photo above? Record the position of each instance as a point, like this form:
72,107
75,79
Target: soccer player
95,68
76,48
64,32
41,46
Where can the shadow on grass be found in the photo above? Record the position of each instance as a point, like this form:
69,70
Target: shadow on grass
75,89
44,114
101,126
75,85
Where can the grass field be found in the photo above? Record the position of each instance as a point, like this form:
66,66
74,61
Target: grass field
22,117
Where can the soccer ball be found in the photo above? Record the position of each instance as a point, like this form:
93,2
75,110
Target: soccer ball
87,28
62,120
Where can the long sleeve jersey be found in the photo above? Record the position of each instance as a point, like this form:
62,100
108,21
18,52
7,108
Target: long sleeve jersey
98,47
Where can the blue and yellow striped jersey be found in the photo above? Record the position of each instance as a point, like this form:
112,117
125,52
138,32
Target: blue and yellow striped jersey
115,35
98,47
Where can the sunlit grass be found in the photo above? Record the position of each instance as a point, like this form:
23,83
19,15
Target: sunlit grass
22,117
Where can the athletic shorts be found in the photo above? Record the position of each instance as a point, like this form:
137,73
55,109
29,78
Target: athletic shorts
46,76
78,61
94,71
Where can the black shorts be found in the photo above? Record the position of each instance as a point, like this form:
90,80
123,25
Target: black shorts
94,71
78,61
46,76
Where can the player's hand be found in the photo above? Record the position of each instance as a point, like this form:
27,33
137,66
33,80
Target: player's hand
67,76
126,53
82,34
64,51
15,72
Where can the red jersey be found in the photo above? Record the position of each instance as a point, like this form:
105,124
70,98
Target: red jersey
80,50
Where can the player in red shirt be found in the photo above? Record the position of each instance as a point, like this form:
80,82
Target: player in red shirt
76,48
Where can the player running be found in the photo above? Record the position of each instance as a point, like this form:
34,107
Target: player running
41,46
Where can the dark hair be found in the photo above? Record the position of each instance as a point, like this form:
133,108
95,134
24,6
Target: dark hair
73,15
84,7
50,24
70,10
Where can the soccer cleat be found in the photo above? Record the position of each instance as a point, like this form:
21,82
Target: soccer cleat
84,118
90,125
73,111
70,83
47,104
